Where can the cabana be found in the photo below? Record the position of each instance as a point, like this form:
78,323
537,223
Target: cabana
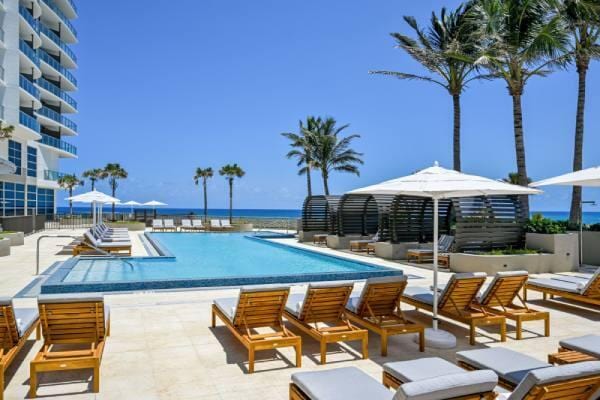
360,217
319,217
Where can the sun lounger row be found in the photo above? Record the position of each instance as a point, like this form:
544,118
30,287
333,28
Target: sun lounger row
74,328
437,379
100,237
572,288
190,225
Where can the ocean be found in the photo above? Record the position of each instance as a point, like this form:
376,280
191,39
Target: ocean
588,217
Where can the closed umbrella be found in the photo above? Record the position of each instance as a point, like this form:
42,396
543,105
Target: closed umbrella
439,183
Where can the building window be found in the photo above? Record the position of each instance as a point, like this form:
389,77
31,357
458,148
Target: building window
31,162
31,199
45,201
14,199
14,155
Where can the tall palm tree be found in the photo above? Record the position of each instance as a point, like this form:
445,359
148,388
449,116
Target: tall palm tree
114,172
437,49
202,174
230,172
6,131
301,148
582,20
94,175
522,39
69,182
333,152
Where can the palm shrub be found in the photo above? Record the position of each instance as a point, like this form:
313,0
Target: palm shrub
582,22
68,183
6,131
94,175
230,172
521,39
538,224
447,49
114,172
302,150
332,152
202,175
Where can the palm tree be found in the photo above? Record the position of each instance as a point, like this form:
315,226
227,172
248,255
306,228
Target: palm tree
6,131
301,148
582,20
203,174
513,178
114,172
230,172
332,152
522,39
438,48
94,175
69,182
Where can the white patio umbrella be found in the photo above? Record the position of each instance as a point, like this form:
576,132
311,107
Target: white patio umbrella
439,183
131,203
154,204
589,177
96,198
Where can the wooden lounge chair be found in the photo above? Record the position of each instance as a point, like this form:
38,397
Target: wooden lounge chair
325,304
258,308
585,292
420,255
351,383
215,225
500,295
169,225
578,349
16,326
186,225
197,225
457,301
320,239
90,243
531,379
157,225
75,328
225,224
377,308
362,245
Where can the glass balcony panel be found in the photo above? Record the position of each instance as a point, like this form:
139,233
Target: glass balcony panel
55,116
61,15
45,57
29,121
29,52
34,23
29,87
54,37
45,84
50,175
59,144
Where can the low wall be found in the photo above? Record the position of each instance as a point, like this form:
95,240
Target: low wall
16,238
132,226
394,251
307,236
564,247
4,247
343,242
26,224
591,248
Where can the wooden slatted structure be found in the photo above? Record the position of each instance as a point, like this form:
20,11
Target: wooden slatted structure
319,214
364,214
487,223
411,219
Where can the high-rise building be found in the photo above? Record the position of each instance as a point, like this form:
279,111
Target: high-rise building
36,81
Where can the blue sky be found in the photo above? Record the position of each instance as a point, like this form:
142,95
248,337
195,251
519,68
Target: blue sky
166,86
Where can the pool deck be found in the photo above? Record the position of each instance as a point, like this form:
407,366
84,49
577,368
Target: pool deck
162,347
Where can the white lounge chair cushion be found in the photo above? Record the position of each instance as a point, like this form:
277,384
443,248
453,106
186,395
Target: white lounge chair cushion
421,368
555,374
227,306
422,294
499,275
354,300
25,317
556,284
510,365
588,344
448,386
349,383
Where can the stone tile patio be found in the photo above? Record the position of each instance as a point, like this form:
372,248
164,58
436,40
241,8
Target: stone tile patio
162,347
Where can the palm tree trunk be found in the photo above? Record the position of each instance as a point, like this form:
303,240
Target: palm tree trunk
308,183
71,202
456,135
230,200
92,205
575,216
325,183
520,149
114,191
205,201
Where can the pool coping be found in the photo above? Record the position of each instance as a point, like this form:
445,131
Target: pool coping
55,285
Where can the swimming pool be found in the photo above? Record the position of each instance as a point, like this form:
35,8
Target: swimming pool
204,260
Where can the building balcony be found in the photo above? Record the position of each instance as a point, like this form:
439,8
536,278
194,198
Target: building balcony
65,148
29,26
32,92
30,61
68,7
69,34
29,122
69,59
50,175
69,81
57,94
56,120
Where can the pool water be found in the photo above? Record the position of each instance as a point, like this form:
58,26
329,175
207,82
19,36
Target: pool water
211,259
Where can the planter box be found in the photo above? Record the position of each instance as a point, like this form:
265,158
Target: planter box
591,248
132,226
4,247
343,242
394,251
533,263
16,238
244,227
564,247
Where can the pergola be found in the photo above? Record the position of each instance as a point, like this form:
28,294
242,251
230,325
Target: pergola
319,214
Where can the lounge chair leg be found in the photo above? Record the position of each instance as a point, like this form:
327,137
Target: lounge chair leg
545,296
422,340
298,348
503,331
96,382
384,343
524,293
519,329
323,352
251,360
547,325
32,382
2,383
472,334
365,347
38,332
214,319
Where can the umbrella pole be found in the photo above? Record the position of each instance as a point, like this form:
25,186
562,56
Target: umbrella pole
435,262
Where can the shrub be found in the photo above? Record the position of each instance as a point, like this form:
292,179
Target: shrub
510,252
539,224
593,227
